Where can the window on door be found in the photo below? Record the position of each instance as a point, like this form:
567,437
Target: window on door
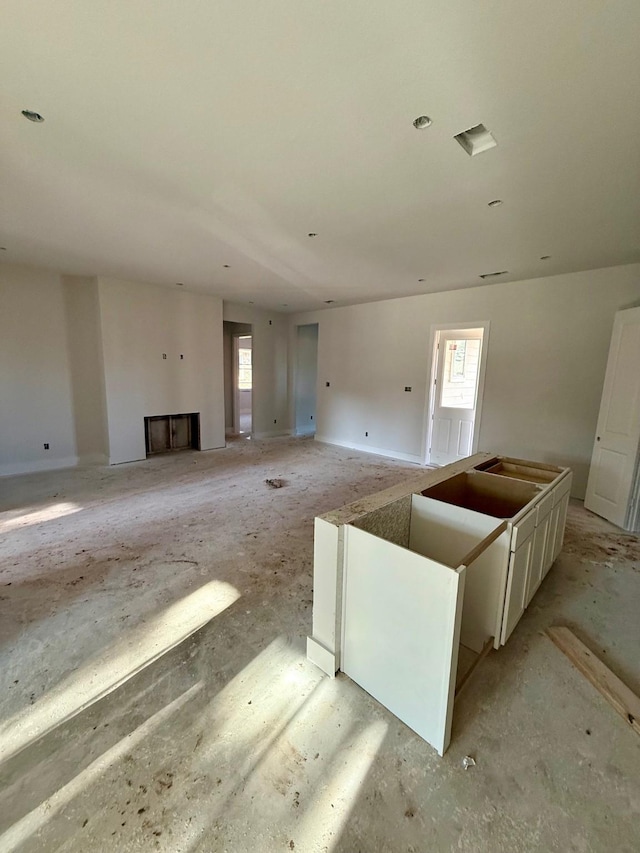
460,375
456,392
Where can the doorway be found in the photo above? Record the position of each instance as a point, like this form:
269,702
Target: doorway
457,385
306,379
243,352
238,378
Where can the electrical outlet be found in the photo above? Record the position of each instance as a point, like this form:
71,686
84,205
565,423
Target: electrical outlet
46,445
311,417
275,421
366,435
328,384
407,387
271,322
164,355
181,357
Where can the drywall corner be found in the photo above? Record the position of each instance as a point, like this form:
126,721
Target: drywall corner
86,367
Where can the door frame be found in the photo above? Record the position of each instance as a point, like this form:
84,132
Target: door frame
434,335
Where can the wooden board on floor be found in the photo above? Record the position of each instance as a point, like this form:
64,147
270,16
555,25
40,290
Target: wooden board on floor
616,692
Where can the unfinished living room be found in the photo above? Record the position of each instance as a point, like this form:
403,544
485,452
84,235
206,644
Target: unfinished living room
319,427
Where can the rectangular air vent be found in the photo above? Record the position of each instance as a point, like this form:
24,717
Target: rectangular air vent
494,274
475,140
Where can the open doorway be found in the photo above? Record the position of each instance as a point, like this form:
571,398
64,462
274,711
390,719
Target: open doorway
238,378
306,379
457,385
243,351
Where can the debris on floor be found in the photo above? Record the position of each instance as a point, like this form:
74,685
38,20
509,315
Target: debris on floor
274,483
468,762
618,695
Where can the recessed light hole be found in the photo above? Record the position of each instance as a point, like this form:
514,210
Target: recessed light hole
32,116
494,274
495,203
475,140
422,122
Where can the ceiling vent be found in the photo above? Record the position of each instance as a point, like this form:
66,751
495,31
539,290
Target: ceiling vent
494,274
475,140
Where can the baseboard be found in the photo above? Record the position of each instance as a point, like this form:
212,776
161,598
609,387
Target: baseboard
15,468
377,451
90,459
322,657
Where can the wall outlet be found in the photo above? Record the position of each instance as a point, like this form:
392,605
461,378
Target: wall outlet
164,355
275,421
407,387
310,417
181,357
366,435
328,384
271,322
46,445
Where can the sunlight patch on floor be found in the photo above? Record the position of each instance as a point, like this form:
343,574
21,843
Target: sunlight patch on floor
280,738
322,824
15,836
17,519
116,664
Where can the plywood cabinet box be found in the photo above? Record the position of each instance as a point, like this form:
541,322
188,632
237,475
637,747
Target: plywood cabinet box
413,585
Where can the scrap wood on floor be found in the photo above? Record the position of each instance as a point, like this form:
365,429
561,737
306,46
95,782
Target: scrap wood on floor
618,695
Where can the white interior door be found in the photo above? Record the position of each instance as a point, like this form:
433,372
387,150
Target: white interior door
458,360
618,432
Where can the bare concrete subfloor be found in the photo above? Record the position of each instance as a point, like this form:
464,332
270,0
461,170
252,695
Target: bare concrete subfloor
155,694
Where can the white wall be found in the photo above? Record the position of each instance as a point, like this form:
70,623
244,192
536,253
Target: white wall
546,360
36,403
305,380
270,411
140,322
84,336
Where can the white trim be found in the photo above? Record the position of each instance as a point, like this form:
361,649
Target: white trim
272,433
323,658
377,451
91,459
485,325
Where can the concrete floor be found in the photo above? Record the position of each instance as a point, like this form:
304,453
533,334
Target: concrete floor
154,691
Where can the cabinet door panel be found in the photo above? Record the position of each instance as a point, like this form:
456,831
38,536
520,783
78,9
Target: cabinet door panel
402,615
519,565
562,520
538,557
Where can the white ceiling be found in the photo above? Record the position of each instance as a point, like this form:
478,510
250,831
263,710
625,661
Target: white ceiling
182,135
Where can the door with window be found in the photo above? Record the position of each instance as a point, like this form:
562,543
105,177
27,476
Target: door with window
455,394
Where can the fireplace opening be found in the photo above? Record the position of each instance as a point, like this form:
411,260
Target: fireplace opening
166,433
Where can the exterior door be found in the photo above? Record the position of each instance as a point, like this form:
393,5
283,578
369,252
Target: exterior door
455,394
618,432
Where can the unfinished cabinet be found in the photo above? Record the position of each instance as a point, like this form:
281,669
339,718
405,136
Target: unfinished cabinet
409,611
414,585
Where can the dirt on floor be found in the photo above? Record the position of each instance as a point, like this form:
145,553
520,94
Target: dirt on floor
155,693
